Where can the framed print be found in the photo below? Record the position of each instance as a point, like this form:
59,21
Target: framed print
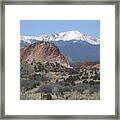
60,60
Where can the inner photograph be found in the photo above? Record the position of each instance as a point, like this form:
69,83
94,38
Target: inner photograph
59,60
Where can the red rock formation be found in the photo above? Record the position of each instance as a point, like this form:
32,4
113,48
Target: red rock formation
43,52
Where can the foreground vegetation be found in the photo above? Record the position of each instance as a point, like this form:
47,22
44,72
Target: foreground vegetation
52,81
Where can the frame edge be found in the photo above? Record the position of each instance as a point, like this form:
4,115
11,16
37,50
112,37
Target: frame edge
2,90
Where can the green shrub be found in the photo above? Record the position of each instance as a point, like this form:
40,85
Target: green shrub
91,82
85,82
49,97
34,85
40,66
35,68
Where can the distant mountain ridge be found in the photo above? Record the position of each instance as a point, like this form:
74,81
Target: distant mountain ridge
80,51
74,45
64,36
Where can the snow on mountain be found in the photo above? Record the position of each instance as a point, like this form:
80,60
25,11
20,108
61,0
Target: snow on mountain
65,36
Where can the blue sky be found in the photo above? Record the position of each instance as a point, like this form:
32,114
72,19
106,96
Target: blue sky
39,27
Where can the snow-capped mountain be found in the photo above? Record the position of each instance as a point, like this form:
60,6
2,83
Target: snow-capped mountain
76,46
75,36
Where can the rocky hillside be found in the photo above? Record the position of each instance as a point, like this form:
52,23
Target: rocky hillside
43,52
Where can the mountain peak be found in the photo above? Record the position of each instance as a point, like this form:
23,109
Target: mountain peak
65,36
